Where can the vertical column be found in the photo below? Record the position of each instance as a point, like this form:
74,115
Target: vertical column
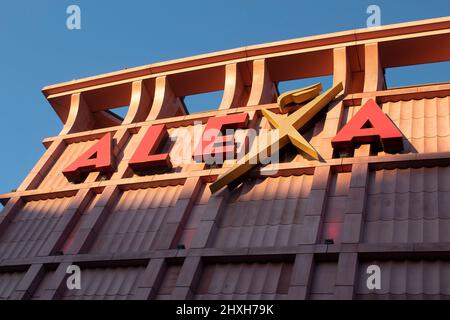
90,227
57,285
353,218
346,275
139,104
341,68
353,227
80,117
29,283
316,206
149,282
263,89
188,278
65,225
207,227
301,277
165,102
171,229
234,87
341,73
373,74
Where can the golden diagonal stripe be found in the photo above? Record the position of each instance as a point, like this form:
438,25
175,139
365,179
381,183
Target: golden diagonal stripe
287,127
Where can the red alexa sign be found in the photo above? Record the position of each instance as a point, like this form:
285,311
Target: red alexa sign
369,125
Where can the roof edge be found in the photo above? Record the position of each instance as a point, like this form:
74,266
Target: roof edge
251,51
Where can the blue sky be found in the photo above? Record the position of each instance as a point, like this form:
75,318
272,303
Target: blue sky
37,49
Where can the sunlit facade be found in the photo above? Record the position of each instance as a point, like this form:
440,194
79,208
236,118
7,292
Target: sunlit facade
307,230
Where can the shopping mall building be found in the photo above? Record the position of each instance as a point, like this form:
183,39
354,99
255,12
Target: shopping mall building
363,178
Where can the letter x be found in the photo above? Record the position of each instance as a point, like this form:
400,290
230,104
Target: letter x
287,127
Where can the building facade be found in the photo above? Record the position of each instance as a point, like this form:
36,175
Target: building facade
308,230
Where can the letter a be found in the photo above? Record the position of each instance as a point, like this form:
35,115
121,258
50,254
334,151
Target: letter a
97,158
74,281
374,20
74,20
370,124
374,280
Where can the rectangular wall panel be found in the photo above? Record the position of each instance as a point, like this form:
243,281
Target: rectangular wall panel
98,284
8,283
337,201
323,280
198,210
132,224
84,216
408,205
169,282
237,281
407,279
425,123
264,212
44,283
31,227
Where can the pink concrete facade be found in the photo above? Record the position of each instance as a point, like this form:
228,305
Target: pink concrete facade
165,236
